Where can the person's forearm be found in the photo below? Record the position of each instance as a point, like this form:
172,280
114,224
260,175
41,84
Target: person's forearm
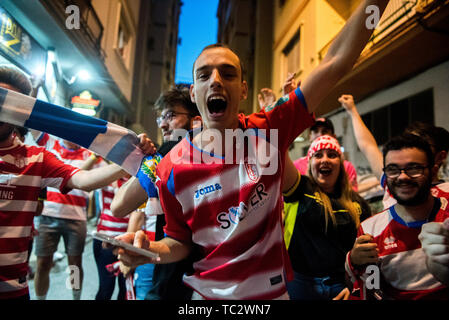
136,221
367,144
96,178
362,187
170,250
128,198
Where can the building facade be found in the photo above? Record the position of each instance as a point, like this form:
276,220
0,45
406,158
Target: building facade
401,76
246,26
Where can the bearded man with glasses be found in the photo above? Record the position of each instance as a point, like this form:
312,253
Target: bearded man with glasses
409,242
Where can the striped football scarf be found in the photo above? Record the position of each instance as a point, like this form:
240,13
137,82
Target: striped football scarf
109,140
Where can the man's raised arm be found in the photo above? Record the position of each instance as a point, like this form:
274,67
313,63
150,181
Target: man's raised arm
342,55
365,139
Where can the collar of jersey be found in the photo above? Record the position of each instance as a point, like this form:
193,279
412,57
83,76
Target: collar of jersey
193,133
419,223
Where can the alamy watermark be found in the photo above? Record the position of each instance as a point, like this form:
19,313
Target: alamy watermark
258,148
73,19
373,18
73,281
372,281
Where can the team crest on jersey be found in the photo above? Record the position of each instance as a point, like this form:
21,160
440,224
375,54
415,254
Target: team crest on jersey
251,170
149,165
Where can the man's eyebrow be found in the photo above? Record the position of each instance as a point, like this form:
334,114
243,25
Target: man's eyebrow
408,164
221,66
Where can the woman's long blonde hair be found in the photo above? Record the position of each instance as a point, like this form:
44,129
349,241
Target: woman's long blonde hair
343,187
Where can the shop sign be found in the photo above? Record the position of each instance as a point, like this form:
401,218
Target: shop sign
85,100
17,45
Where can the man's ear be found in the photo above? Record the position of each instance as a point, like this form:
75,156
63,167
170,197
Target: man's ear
440,157
244,91
196,122
192,93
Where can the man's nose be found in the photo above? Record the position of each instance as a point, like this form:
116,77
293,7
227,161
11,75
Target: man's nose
402,175
163,124
215,78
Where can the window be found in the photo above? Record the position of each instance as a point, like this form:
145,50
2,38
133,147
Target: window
291,59
124,38
391,120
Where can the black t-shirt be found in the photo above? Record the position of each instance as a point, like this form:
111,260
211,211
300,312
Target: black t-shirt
314,251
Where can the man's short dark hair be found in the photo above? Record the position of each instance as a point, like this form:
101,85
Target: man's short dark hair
22,130
16,78
408,141
176,95
438,137
218,45
323,123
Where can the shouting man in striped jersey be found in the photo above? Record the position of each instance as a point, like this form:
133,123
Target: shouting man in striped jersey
221,191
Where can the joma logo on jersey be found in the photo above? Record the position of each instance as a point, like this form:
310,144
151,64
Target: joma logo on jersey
206,190
237,214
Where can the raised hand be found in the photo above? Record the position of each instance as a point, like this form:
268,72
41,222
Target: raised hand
266,97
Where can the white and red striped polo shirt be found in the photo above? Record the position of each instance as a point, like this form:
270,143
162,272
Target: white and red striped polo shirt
402,260
108,224
233,210
72,205
24,171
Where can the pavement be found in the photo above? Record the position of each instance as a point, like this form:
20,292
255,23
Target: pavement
60,273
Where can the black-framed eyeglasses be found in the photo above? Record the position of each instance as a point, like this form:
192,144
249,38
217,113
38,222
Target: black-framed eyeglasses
168,116
413,171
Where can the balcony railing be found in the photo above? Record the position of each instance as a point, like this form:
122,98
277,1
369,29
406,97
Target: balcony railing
396,13
90,24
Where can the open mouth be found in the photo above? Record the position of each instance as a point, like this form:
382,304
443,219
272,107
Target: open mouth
325,171
216,105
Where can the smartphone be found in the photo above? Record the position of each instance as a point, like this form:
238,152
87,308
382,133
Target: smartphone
111,240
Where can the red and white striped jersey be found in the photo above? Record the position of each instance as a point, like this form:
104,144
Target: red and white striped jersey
233,210
72,205
24,171
108,224
152,210
402,260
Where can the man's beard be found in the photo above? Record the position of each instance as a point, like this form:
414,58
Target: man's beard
179,133
419,198
5,131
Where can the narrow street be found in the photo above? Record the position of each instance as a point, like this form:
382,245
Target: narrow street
59,274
